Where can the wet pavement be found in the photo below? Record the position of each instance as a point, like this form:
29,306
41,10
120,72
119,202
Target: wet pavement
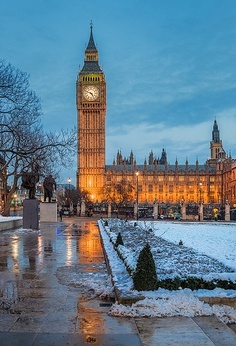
41,304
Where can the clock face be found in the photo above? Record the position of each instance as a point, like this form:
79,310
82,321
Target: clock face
90,93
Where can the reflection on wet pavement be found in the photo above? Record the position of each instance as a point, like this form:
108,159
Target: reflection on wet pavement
44,299
38,290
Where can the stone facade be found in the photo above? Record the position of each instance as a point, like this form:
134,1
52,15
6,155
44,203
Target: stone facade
155,180
91,109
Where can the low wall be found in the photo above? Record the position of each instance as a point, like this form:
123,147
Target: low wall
219,301
11,224
48,212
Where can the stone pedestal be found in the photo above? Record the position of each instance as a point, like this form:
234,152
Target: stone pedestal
200,212
183,211
155,211
82,207
109,210
31,214
48,212
227,212
136,210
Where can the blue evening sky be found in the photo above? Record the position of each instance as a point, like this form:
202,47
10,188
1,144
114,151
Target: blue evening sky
170,68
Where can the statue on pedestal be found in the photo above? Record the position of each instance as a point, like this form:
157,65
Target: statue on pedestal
49,184
29,181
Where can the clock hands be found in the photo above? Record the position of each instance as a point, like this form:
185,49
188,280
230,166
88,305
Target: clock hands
91,93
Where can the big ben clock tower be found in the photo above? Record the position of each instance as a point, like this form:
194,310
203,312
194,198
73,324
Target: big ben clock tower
91,108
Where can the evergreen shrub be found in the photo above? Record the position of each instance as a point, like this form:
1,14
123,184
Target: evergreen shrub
119,240
145,277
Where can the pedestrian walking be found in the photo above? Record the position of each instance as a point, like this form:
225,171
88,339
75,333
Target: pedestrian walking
61,213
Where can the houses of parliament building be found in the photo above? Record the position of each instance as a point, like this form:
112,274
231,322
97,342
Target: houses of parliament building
155,179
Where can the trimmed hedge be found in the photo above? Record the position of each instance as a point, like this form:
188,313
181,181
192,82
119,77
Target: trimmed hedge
145,277
119,240
195,284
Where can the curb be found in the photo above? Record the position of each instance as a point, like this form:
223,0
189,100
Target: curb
11,224
129,300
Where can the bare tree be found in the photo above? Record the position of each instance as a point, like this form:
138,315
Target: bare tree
119,192
23,143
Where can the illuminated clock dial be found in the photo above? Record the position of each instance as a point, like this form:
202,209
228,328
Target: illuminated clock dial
90,93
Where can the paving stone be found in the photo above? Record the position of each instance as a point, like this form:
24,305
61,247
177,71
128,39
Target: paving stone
49,310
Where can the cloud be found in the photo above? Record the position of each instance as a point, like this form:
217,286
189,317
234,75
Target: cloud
179,140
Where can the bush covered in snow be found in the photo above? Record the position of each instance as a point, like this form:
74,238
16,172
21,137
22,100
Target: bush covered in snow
177,266
119,240
145,277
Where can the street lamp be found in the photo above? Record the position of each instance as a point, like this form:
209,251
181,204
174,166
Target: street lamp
137,191
200,192
69,181
200,203
137,186
15,201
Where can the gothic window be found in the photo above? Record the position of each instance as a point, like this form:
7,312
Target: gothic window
130,188
191,189
212,199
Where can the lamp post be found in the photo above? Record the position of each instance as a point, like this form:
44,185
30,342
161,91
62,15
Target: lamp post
200,204
137,191
200,192
137,186
15,201
69,181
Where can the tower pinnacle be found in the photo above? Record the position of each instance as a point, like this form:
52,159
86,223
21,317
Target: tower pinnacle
91,45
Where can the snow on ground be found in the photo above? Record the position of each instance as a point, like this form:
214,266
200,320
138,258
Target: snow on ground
216,239
218,242
9,218
211,243
207,251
